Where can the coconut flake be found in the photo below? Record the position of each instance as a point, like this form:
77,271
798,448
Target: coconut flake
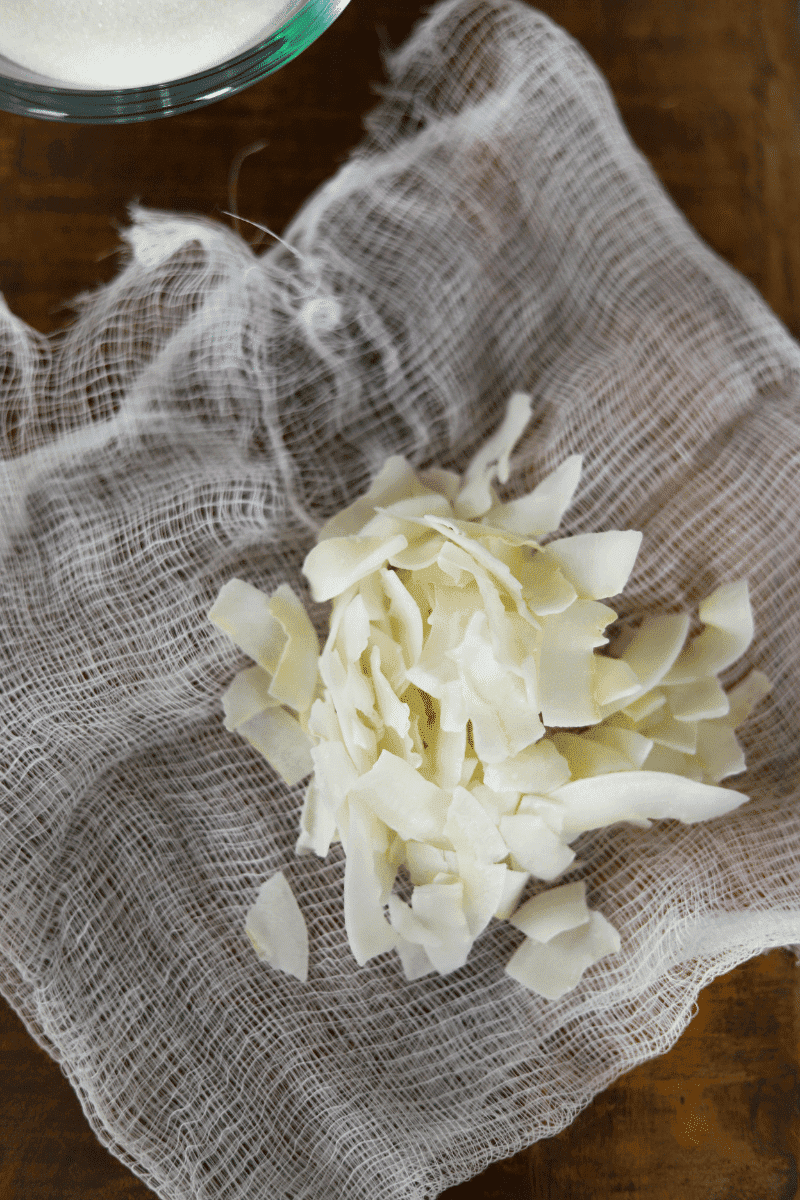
728,618
277,929
718,751
413,959
282,741
337,563
745,696
586,756
354,631
553,911
644,706
243,613
418,554
545,588
393,713
655,646
446,754
440,906
550,811
541,510
409,925
567,663
404,615
605,799
699,700
484,886
247,696
396,480
295,679
597,565
365,885
553,968
497,804
492,460
514,883
534,846
629,742
399,795
674,762
334,772
614,681
471,830
317,823
668,731
425,861
538,768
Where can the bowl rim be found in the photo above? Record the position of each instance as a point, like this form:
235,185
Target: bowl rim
98,106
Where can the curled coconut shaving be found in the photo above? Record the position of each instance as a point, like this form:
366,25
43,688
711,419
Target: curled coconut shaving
460,724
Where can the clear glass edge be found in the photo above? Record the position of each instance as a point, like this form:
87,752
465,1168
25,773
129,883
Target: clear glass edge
98,107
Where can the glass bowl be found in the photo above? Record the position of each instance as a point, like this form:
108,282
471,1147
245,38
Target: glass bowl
23,91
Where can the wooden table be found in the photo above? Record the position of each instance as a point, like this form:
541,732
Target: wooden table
710,91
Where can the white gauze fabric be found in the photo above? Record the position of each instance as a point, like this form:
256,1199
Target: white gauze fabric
496,231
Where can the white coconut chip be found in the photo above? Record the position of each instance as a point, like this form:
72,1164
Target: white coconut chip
295,679
655,646
567,663
447,483
553,911
728,618
534,846
413,959
597,565
606,799
542,509
586,757
247,696
492,460
402,798
317,823
544,586
440,906
668,731
243,613
553,968
745,696
614,681
282,741
425,861
538,768
629,742
718,751
277,929
365,884
353,633
337,563
396,480
698,700
514,884
471,830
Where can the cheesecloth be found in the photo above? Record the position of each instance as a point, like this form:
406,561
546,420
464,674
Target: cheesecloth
207,410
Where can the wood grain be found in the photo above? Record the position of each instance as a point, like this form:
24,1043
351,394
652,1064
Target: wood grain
717,1118
710,91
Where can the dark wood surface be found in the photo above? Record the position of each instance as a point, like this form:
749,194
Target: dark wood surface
710,91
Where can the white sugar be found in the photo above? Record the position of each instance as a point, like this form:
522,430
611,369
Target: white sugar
130,43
